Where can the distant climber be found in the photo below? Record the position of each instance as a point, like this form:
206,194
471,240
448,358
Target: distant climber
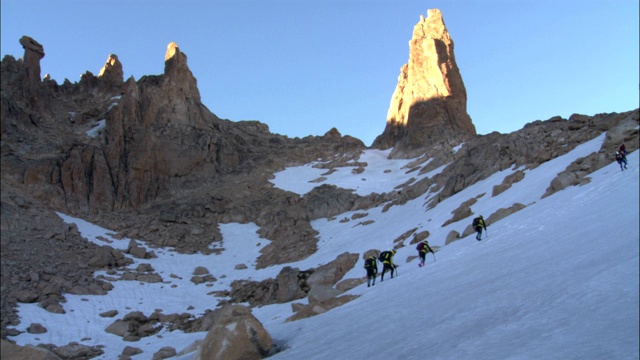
623,150
423,248
387,260
478,224
622,160
371,264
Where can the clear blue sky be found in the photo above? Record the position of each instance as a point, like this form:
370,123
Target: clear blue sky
303,67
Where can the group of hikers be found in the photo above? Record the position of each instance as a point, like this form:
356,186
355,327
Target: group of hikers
386,257
621,157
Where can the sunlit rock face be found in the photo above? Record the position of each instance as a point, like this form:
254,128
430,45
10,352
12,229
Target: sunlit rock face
429,105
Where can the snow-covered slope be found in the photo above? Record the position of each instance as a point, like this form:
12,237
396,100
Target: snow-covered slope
556,280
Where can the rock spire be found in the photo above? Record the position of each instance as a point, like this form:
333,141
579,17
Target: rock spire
33,52
429,105
111,73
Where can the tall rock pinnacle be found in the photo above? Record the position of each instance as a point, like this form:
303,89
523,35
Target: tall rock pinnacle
33,52
429,105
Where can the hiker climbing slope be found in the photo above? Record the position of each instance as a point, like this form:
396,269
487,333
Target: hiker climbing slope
478,225
423,248
371,265
387,260
622,160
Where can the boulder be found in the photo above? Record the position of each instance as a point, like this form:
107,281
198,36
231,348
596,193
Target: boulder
236,334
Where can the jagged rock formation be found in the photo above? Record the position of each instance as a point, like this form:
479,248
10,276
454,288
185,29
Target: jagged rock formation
429,105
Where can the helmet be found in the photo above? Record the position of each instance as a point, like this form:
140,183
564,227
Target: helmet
372,257
480,217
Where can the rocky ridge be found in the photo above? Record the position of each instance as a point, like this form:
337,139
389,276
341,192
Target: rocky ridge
147,159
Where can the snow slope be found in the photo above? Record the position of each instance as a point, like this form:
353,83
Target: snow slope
556,280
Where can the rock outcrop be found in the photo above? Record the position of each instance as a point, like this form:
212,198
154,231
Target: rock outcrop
33,52
111,73
429,105
236,335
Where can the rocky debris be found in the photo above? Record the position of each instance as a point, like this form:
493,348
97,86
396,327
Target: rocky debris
201,279
463,211
319,305
507,182
138,251
236,334
9,350
200,270
164,353
36,328
329,274
135,325
405,235
129,351
429,105
292,284
109,314
451,237
74,350
42,257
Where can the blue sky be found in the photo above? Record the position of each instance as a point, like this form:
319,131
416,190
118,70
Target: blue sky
303,67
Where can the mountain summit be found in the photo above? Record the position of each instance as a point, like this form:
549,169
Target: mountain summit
429,105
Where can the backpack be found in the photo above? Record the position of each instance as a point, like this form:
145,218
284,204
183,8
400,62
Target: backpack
370,263
385,255
476,222
420,246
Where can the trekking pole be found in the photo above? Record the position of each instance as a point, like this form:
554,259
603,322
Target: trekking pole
434,256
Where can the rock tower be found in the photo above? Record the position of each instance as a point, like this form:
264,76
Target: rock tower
429,106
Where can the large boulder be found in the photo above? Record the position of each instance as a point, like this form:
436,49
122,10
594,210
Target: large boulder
236,334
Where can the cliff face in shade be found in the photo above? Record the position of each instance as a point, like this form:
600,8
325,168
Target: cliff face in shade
429,106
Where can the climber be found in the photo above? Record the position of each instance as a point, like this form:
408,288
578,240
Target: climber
621,159
371,264
478,224
623,150
423,248
387,260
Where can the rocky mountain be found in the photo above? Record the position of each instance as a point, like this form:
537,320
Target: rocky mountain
149,160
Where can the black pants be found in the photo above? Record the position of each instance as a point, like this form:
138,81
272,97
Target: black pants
371,275
423,256
479,231
386,267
